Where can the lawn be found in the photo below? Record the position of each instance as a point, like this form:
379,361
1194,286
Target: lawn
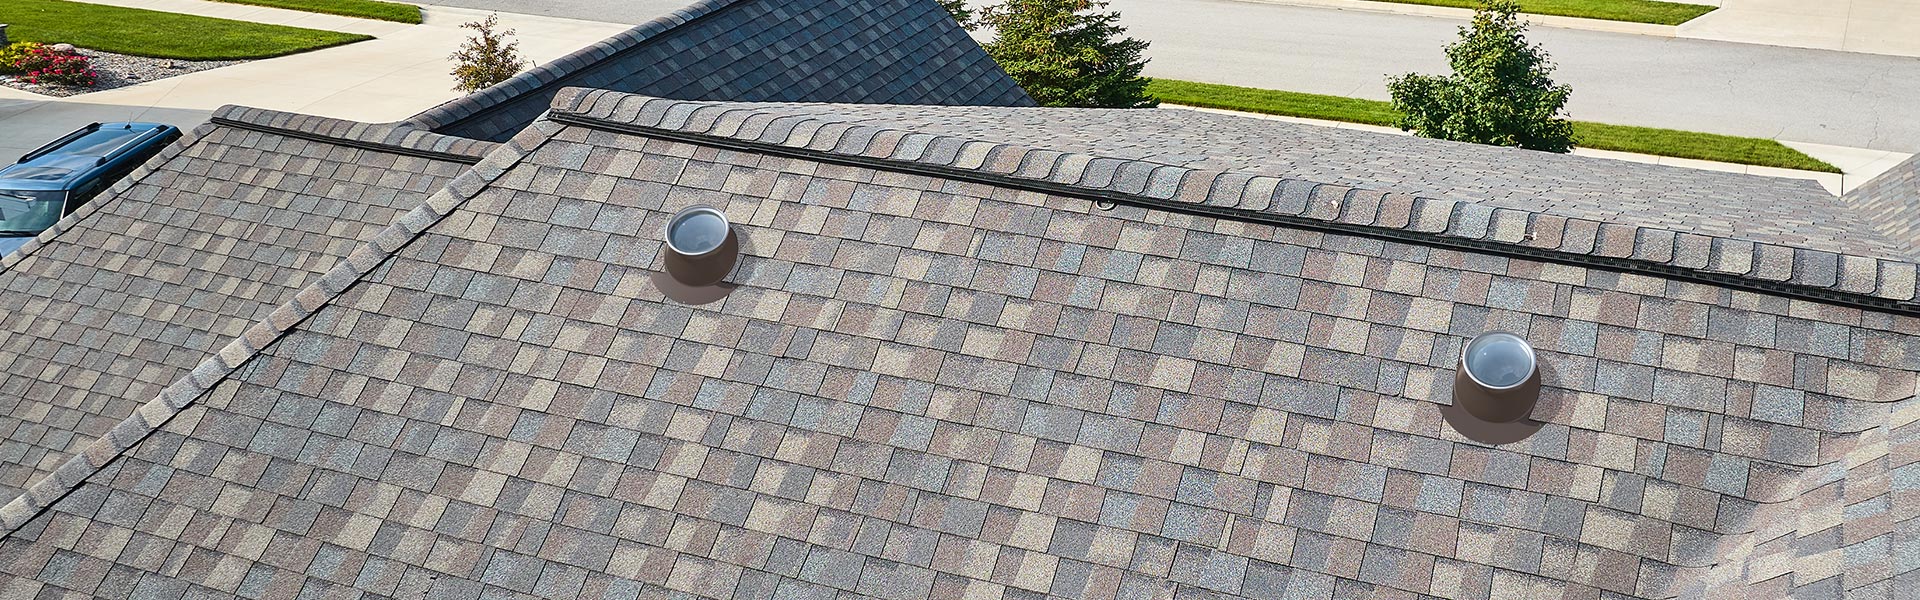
1599,136
365,9
1637,11
158,34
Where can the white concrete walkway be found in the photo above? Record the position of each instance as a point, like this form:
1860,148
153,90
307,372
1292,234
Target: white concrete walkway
1860,165
401,72
1872,26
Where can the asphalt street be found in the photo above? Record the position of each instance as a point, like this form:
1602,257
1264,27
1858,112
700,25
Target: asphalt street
1839,98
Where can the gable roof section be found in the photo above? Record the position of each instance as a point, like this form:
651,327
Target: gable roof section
1891,202
932,385
862,51
136,288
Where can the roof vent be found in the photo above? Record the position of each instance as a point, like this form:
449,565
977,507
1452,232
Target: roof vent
702,250
698,231
1498,378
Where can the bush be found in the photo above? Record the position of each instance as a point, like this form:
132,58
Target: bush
1499,92
56,68
13,55
486,58
1067,53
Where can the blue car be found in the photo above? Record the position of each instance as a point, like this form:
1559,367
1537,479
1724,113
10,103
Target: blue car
55,180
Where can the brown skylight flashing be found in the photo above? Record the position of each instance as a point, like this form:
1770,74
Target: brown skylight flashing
1861,281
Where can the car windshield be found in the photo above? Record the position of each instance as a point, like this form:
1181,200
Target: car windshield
29,212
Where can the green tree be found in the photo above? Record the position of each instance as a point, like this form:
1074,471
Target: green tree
1499,93
486,58
960,12
1068,53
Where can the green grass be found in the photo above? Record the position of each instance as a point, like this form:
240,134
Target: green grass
1599,136
365,9
1637,11
158,34
1274,102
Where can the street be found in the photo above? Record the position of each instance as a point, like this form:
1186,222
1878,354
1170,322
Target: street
1839,98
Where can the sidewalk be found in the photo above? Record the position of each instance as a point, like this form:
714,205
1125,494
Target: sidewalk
1860,165
403,71
1871,26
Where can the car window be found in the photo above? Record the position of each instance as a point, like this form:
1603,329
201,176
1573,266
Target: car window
29,212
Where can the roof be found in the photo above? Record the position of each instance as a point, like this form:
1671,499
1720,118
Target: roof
862,51
948,381
137,287
1891,201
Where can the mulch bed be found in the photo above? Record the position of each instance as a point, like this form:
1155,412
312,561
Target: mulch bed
120,70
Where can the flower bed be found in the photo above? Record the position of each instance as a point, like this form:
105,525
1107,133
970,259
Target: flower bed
43,70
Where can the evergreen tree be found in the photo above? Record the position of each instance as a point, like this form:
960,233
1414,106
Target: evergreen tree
960,12
1499,92
1068,53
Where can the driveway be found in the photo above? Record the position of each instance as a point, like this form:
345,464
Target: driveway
396,75
1826,97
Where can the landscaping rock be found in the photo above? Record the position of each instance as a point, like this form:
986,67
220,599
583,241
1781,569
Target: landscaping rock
120,70
63,48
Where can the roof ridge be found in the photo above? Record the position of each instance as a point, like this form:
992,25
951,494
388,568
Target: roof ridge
369,255
496,96
1861,281
399,137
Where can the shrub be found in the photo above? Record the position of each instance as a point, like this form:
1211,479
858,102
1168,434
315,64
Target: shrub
13,55
56,68
1499,92
1068,53
486,58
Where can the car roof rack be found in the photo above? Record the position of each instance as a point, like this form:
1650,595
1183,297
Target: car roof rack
56,144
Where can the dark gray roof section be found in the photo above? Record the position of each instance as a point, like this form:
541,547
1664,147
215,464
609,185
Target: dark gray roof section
938,387
1891,202
136,288
861,51
1732,229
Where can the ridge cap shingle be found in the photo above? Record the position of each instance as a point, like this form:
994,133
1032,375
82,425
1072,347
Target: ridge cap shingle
1729,260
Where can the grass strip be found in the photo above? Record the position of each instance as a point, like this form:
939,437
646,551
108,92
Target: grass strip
365,9
1599,136
1635,11
156,34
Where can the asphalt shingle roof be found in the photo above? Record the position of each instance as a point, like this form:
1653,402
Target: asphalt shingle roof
1771,210
945,383
146,281
865,51
1891,201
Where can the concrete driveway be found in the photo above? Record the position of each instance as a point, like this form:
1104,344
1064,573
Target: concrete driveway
1819,96
396,75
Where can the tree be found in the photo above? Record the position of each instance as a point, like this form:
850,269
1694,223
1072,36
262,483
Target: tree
961,14
1499,93
486,58
1068,53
